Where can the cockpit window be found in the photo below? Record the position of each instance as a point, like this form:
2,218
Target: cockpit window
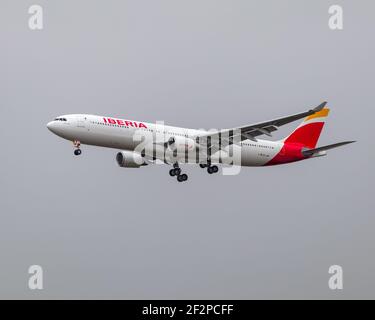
60,119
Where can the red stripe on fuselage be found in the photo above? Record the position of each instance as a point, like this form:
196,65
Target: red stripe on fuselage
290,152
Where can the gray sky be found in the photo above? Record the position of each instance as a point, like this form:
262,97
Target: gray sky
100,231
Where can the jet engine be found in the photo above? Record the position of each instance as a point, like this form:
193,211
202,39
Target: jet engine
130,159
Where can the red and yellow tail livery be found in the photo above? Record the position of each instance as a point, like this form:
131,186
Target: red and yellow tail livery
301,143
308,132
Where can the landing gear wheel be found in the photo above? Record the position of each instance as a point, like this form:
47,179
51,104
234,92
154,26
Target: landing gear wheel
212,169
177,171
171,173
203,165
77,146
182,177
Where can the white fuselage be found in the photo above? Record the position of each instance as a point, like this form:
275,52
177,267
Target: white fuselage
128,135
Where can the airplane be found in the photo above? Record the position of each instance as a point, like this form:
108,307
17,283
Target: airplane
142,143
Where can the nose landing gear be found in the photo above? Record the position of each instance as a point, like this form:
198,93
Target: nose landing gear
77,145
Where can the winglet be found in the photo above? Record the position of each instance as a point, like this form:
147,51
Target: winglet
319,107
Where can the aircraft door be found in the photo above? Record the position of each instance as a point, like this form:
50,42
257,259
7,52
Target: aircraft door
82,123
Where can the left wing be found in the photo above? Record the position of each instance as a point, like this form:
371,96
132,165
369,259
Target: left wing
214,141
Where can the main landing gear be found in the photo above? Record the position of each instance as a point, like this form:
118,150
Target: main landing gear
210,169
176,171
77,145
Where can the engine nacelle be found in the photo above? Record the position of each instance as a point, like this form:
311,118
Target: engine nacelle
130,159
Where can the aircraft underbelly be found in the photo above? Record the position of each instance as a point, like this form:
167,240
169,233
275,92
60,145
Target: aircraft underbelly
103,138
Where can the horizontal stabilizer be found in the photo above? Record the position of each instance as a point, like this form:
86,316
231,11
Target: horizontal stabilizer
311,152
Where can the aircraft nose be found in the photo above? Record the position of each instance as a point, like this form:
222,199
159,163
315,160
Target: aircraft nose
50,126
